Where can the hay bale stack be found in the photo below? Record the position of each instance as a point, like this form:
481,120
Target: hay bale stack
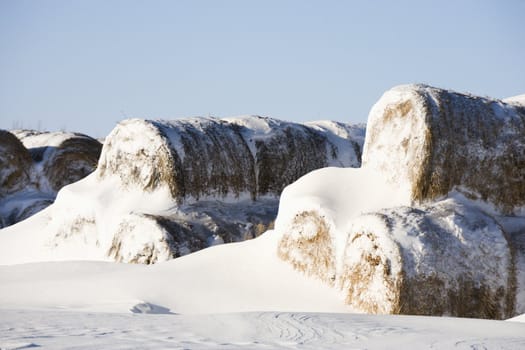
202,158
15,164
433,141
426,248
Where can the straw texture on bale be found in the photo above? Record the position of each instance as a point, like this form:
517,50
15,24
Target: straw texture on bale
15,164
442,140
201,158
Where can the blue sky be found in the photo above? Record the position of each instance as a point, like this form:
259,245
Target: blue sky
85,65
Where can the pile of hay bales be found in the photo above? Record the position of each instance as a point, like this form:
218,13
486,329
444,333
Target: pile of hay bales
199,158
450,248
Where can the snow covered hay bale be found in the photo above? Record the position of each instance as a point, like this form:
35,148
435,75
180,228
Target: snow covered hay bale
193,157
62,157
15,164
199,158
441,259
309,247
285,151
139,239
432,141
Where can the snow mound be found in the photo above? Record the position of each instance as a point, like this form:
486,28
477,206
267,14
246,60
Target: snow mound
422,227
431,141
520,318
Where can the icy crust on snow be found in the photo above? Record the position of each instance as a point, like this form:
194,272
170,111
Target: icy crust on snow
242,157
431,141
411,231
35,165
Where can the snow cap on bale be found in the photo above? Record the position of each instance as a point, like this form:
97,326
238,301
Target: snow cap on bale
431,141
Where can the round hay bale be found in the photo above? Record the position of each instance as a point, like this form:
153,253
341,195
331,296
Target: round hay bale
443,259
15,164
433,141
61,157
309,247
73,159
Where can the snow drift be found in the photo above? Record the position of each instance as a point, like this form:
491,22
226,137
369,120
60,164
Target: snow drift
36,165
423,226
163,189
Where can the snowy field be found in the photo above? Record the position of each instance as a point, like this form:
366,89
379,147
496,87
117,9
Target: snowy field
254,330
196,303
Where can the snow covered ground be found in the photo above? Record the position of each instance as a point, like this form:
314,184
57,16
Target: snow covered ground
244,295
251,299
255,330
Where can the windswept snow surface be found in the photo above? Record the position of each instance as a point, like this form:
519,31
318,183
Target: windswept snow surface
236,277
254,330
250,300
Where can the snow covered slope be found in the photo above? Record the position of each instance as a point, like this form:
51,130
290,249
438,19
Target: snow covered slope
35,165
230,296
431,222
163,189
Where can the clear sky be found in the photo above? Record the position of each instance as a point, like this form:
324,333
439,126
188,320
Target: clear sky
85,65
